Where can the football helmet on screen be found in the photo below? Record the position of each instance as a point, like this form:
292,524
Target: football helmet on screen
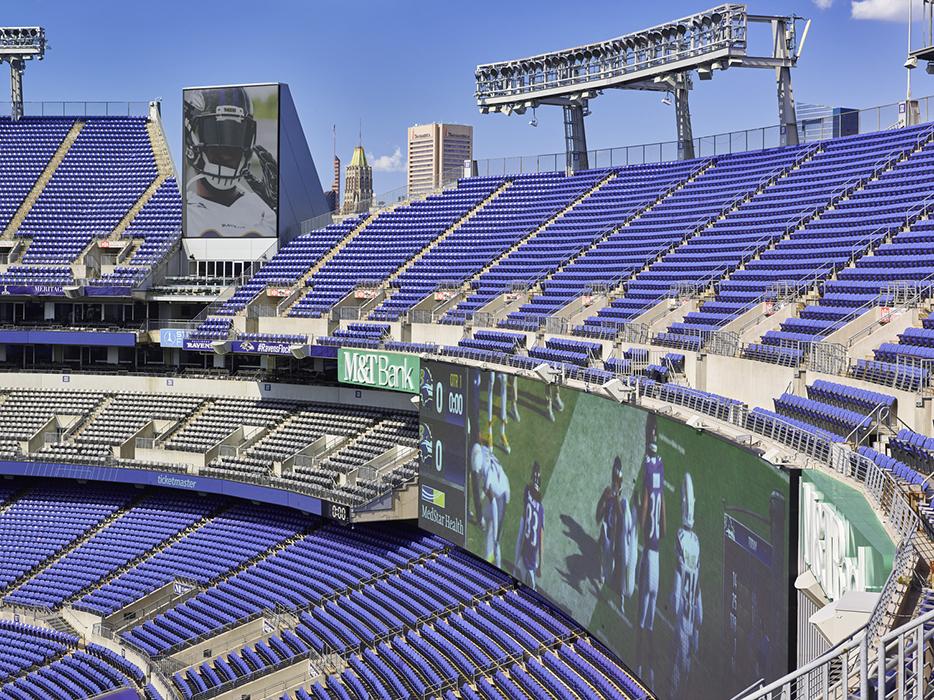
220,133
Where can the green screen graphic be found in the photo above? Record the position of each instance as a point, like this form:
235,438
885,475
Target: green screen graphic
669,544
841,540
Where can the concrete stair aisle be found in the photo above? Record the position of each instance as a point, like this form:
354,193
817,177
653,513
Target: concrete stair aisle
56,160
449,231
60,624
633,218
733,205
299,287
87,420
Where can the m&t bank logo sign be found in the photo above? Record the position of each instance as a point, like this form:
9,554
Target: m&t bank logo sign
395,371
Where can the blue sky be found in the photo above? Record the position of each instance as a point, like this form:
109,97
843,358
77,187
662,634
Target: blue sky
395,63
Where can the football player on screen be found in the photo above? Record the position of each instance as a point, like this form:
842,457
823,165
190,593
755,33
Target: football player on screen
687,604
224,200
490,488
652,527
504,380
619,540
528,559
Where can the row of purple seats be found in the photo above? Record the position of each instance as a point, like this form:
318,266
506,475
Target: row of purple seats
849,397
225,542
145,525
831,418
388,241
632,190
528,203
291,338
498,346
290,263
556,356
914,449
416,348
897,374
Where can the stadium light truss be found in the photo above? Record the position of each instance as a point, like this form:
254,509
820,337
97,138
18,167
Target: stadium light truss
925,52
18,45
661,58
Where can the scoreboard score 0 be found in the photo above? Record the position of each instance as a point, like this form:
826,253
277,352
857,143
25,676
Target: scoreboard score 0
443,449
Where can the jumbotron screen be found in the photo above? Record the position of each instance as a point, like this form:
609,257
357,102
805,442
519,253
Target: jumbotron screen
231,173
669,544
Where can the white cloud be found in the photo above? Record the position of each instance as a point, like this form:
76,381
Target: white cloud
886,10
388,164
823,4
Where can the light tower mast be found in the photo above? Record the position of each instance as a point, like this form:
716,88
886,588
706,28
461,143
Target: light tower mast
18,45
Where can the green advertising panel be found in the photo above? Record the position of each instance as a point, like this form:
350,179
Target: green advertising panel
396,371
669,544
841,540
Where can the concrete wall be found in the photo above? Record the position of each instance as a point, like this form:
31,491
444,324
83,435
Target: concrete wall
222,643
756,383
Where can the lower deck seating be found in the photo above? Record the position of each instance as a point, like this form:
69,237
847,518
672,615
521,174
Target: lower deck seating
37,663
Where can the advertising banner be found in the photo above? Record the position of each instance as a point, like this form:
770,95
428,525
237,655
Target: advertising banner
396,371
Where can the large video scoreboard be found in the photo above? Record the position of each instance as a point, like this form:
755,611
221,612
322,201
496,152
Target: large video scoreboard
443,446
669,544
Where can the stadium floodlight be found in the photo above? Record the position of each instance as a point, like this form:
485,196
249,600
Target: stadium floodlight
659,58
18,45
926,51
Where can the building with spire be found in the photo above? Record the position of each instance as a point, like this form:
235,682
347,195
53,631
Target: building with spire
358,184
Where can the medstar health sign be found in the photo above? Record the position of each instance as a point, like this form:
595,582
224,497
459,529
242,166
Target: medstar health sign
395,371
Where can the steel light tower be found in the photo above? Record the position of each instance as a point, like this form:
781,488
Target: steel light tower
18,45
661,58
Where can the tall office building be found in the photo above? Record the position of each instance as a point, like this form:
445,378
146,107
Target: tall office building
436,155
358,184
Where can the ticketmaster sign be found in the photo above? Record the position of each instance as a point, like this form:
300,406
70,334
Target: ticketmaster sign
397,371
